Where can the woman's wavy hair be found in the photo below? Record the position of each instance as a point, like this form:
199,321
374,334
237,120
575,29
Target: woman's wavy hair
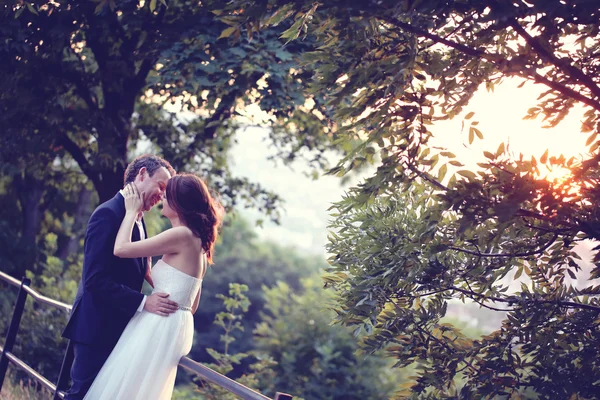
191,199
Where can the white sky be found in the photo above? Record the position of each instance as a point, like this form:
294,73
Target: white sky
500,115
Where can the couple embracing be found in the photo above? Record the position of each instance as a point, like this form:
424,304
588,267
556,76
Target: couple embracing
127,345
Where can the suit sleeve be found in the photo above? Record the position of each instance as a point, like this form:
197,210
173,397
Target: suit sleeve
98,256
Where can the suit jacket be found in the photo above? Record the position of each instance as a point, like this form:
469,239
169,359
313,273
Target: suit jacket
110,290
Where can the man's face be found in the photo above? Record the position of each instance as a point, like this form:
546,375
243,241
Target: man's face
153,186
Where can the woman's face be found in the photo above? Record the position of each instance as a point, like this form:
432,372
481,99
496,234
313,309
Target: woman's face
166,210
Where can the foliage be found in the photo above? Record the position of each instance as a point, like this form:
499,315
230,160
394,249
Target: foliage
39,342
14,389
87,81
421,230
240,257
236,305
399,291
34,204
313,359
297,351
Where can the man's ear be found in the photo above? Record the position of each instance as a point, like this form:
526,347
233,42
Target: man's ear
142,173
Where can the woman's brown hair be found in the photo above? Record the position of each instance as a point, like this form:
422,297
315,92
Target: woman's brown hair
190,198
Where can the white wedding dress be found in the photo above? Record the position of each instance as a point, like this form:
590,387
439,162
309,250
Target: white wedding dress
143,364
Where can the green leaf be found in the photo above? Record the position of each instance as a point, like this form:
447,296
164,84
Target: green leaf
280,14
591,138
293,32
518,273
100,6
470,115
152,5
228,32
544,157
467,174
31,8
448,154
19,12
500,150
442,172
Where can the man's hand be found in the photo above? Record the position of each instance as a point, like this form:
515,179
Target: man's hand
158,303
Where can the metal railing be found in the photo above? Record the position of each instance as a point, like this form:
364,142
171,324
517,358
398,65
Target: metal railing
63,377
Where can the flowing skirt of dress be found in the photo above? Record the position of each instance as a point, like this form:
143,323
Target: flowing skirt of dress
143,364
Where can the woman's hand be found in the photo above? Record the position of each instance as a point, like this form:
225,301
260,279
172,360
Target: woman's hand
134,201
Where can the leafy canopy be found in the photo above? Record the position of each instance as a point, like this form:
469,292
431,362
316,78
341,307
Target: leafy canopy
421,231
94,81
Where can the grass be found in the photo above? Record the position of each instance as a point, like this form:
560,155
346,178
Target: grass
17,389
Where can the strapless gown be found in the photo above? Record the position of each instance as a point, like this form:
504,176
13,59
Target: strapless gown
143,364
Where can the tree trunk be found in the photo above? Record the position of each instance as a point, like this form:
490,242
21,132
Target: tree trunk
30,191
111,161
110,183
82,213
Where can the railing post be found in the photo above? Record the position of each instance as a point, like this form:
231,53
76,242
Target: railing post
11,335
65,368
283,396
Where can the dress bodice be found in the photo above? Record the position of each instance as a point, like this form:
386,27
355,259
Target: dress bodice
181,287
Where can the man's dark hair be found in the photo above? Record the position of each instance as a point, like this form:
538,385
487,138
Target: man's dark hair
151,162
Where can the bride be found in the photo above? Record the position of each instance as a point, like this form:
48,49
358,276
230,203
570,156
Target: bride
144,362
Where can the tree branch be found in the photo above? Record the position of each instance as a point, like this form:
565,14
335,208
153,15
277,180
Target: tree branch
77,154
501,62
563,65
56,69
151,59
438,39
568,304
507,255
474,294
427,177
563,89
430,335
560,303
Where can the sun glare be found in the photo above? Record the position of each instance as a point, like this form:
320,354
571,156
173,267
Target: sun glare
556,174
499,116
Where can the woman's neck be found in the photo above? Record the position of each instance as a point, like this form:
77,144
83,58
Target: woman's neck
175,221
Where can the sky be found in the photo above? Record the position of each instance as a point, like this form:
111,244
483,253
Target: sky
304,217
500,114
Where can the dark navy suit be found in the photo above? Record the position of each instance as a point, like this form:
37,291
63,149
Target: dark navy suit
108,296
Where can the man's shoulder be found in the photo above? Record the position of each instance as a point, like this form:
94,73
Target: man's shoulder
111,207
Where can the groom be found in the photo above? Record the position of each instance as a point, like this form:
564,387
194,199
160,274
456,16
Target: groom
110,290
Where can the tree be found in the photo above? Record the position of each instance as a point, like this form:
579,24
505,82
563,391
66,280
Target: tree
242,258
88,80
312,359
420,232
38,197
229,320
86,84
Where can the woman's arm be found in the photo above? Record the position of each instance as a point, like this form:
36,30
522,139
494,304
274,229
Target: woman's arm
167,242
